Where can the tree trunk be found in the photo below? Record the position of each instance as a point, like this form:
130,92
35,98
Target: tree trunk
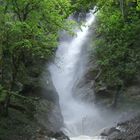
122,4
116,97
6,104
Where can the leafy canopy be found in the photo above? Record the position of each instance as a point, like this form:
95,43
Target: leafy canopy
117,45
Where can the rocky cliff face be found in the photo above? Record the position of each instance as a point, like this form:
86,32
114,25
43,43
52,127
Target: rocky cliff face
39,114
37,83
48,111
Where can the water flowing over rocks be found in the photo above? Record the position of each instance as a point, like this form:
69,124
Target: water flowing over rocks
66,72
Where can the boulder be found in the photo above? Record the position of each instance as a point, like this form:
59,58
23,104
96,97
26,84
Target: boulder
108,131
59,135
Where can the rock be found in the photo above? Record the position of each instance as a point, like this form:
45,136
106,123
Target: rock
101,90
126,130
49,115
134,91
59,135
114,135
108,131
42,135
48,111
49,90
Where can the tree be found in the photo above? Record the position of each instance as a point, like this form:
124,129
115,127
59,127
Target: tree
117,49
28,28
82,6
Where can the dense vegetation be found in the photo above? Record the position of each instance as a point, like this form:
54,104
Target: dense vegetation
29,30
118,50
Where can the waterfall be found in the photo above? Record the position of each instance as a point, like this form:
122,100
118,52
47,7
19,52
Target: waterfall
70,64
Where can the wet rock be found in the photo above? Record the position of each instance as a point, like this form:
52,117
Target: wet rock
49,90
101,90
48,111
49,115
84,89
126,130
41,87
133,92
59,135
42,135
108,131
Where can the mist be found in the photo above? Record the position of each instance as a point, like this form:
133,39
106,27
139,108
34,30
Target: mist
70,65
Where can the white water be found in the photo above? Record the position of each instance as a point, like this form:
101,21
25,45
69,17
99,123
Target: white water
70,64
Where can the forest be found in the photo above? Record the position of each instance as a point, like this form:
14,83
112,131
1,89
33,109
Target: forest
30,35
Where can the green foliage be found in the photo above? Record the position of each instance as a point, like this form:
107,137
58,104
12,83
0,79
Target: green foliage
30,27
33,25
29,31
83,5
117,49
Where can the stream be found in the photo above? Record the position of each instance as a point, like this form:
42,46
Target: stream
82,120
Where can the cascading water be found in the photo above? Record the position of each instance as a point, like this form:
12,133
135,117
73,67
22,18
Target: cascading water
70,64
